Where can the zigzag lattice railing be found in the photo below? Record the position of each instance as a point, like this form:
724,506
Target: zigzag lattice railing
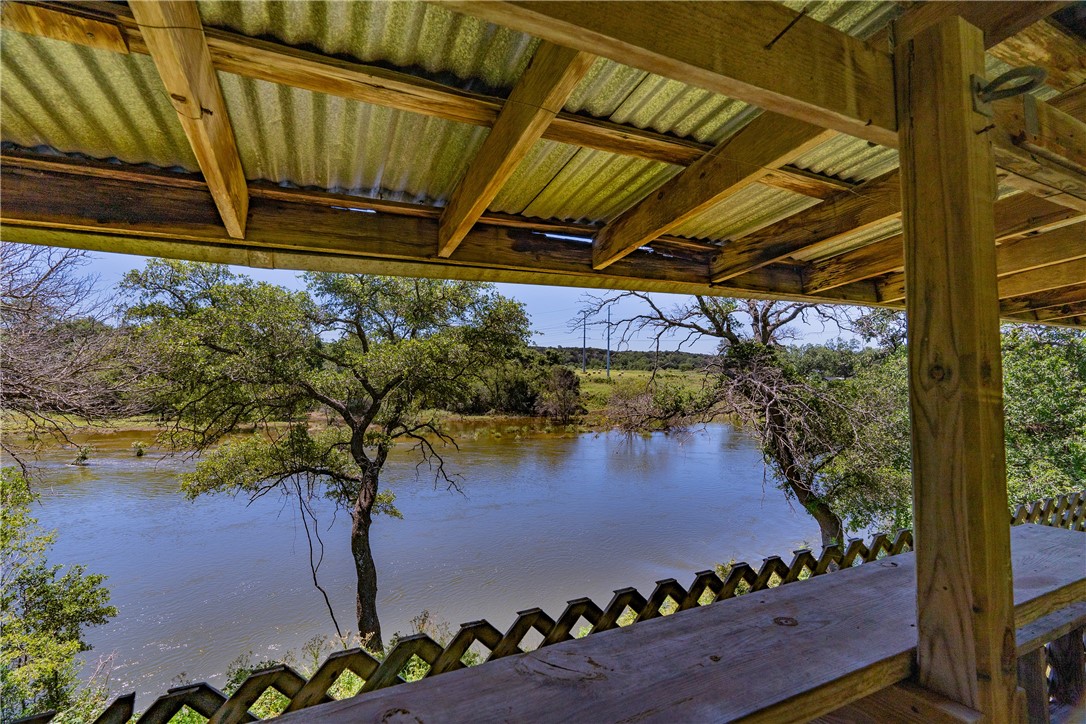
1067,511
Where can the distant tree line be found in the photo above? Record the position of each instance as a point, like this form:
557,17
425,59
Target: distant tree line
629,359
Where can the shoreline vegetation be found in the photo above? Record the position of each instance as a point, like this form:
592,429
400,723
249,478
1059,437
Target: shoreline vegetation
595,387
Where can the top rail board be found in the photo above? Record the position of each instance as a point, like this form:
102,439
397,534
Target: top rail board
793,652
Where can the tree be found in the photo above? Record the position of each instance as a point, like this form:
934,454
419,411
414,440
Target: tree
801,424
59,361
43,612
561,398
379,353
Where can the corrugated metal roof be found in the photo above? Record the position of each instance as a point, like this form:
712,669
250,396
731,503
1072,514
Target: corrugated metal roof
288,135
753,208
848,158
870,235
93,102
415,37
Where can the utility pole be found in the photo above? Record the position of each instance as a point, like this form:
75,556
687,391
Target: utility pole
608,343
584,343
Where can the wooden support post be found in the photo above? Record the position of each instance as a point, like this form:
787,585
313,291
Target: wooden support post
965,615
1034,681
1068,659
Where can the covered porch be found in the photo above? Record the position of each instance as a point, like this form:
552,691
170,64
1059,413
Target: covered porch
854,153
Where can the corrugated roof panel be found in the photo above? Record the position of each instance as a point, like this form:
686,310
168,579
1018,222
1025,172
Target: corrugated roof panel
870,235
311,139
545,160
848,158
751,209
418,37
594,186
77,99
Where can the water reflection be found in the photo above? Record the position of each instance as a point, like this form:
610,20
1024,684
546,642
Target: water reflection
542,519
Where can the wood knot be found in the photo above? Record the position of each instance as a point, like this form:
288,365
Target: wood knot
785,621
937,372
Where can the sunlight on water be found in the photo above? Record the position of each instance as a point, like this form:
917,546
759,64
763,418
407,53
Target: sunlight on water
542,520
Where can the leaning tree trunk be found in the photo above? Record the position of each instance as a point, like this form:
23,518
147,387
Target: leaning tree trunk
369,626
829,523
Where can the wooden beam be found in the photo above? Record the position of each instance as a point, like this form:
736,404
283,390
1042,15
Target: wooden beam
781,60
965,613
1046,44
551,76
770,141
1038,142
1069,273
869,204
60,25
175,38
1062,239
297,221
1043,300
999,20
1063,311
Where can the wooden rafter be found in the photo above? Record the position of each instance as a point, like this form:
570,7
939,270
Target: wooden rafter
1017,225
782,61
175,38
538,96
769,142
1043,300
869,204
285,65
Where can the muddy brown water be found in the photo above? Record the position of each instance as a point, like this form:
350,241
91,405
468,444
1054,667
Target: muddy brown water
543,518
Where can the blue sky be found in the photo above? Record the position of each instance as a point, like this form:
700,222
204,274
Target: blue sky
551,308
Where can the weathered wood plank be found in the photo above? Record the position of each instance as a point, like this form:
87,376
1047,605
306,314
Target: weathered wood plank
1017,254
769,141
869,204
175,38
964,596
742,658
551,76
1051,298
56,200
60,25
1046,44
782,61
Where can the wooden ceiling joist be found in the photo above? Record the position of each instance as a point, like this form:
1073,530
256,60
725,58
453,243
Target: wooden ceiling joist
1016,226
175,38
768,142
777,59
551,76
1043,300
285,65
869,204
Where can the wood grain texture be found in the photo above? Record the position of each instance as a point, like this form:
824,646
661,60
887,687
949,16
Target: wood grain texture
1017,252
768,142
551,76
52,199
715,663
59,25
1046,44
1042,300
782,62
965,615
175,38
869,204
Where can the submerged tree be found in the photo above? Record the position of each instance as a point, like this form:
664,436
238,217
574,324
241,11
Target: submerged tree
379,353
801,424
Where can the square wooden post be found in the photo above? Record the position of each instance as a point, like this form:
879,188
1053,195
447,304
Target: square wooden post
965,613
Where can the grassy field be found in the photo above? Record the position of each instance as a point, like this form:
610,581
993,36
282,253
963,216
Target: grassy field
596,388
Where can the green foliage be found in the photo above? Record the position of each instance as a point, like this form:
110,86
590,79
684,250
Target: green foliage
561,397
1044,378
43,614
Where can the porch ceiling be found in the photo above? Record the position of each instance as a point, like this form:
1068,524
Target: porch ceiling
386,107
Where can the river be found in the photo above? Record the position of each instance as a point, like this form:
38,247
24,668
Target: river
543,518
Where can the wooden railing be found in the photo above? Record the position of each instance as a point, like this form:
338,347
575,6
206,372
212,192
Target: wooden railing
708,587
